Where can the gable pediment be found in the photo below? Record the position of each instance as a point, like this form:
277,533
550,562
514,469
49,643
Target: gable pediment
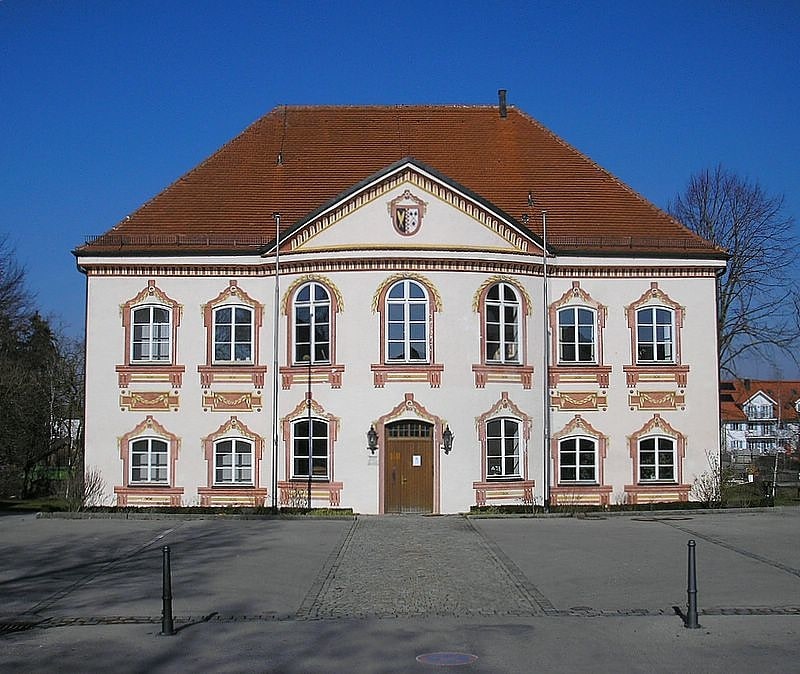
409,207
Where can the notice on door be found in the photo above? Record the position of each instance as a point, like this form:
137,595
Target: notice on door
416,460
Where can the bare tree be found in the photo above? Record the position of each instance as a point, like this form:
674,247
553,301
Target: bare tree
757,300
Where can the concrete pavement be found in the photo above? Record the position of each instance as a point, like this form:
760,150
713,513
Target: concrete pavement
375,593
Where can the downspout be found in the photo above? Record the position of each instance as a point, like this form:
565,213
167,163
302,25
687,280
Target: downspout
546,372
276,318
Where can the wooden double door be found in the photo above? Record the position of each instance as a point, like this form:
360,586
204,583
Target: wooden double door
408,468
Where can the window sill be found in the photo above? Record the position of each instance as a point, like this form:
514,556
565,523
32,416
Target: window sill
148,372
250,374
578,493
232,496
149,495
579,374
658,492
666,372
508,491
486,373
292,494
384,373
330,374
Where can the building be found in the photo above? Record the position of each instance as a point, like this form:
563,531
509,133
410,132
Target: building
759,418
394,351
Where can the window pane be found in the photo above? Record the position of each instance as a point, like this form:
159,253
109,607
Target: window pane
417,312
223,316
415,290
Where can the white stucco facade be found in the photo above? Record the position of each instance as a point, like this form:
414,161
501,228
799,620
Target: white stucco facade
612,400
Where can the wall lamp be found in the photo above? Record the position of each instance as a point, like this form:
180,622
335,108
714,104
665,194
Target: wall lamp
372,439
447,440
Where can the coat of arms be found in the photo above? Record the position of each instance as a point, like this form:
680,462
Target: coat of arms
407,212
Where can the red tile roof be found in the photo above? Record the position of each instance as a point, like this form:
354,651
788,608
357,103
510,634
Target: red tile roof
734,394
226,203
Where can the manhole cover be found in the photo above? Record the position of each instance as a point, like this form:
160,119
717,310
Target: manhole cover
446,659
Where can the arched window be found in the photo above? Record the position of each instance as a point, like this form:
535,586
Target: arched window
233,462
657,459
502,448
577,460
655,330
312,324
149,461
577,335
151,337
233,334
314,444
407,328
502,324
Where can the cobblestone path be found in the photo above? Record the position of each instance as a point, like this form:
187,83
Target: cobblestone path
391,566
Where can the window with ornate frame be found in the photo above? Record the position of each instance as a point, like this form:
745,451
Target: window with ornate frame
657,452
233,322
233,456
503,449
311,304
655,322
503,433
578,322
150,322
407,304
149,455
233,462
324,431
314,444
149,461
503,307
578,451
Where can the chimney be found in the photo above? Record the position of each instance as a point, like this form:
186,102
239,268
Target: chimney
501,93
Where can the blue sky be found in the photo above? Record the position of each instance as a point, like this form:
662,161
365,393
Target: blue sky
103,103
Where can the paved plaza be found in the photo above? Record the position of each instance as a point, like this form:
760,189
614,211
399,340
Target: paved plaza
388,593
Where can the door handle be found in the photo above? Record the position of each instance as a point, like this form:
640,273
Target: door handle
404,480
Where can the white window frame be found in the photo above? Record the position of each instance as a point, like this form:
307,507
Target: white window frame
576,343
149,466
506,440
578,450
656,340
299,441
312,305
152,340
233,342
656,466
407,323
508,350
236,467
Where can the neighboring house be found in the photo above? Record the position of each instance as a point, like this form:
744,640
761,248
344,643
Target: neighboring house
759,417
408,311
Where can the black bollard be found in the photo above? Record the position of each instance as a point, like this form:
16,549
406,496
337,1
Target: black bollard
691,621
167,628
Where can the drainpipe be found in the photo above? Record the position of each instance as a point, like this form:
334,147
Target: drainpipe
546,374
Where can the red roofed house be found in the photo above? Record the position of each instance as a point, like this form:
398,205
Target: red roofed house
361,302
759,417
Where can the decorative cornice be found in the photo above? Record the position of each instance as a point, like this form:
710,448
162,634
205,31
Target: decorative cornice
425,183
338,305
395,263
526,303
